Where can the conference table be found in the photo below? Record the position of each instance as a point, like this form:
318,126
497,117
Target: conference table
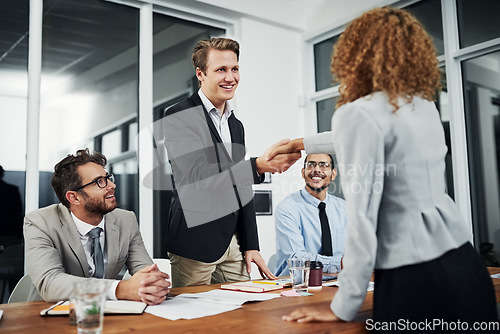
253,317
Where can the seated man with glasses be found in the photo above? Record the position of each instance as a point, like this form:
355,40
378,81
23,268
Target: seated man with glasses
86,237
312,223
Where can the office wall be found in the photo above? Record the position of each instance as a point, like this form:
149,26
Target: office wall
330,13
267,103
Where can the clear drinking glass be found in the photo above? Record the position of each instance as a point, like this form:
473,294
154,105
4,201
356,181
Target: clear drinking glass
299,273
89,297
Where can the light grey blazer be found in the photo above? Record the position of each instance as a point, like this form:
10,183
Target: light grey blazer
392,172
55,258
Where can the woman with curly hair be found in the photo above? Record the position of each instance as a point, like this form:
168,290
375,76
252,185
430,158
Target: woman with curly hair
390,148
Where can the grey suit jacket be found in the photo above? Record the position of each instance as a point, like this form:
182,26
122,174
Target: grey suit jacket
55,258
392,171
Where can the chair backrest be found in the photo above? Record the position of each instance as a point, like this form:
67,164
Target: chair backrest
21,291
271,264
163,265
12,262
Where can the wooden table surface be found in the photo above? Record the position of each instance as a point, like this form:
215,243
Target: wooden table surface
256,317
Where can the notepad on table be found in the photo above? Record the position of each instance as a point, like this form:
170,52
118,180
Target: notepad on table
250,286
110,307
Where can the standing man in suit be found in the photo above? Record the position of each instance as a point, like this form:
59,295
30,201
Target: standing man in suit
212,232
312,223
86,237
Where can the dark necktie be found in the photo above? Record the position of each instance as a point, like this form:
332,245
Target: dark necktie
326,236
96,252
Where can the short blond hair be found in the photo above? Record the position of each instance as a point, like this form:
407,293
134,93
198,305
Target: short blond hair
200,52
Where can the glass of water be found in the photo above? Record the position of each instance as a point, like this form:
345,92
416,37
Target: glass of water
299,273
89,297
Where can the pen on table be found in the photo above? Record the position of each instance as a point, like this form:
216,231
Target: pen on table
266,282
44,312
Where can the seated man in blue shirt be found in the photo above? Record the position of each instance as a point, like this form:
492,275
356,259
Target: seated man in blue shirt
312,223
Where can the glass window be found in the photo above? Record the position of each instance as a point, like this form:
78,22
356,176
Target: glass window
111,144
444,111
127,183
322,60
14,26
428,12
133,129
324,113
477,21
482,111
89,79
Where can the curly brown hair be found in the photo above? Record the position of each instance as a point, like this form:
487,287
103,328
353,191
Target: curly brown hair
388,50
66,177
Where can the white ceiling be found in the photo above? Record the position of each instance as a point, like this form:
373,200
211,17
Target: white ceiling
299,15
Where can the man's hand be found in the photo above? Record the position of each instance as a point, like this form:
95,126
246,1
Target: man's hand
312,314
293,146
148,285
281,163
255,257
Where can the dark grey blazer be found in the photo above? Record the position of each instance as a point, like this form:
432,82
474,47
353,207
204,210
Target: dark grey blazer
55,258
213,198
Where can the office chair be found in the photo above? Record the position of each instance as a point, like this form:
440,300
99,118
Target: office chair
11,268
21,291
271,264
163,265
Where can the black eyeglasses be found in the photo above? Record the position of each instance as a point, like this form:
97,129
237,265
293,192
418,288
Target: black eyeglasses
102,182
313,164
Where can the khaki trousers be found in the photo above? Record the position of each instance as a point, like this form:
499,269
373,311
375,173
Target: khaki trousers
231,267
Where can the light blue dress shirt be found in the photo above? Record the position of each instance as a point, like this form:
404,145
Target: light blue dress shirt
298,230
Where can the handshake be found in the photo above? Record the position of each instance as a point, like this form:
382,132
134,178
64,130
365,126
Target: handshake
280,156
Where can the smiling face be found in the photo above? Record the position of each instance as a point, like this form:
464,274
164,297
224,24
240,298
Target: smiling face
221,77
95,200
318,179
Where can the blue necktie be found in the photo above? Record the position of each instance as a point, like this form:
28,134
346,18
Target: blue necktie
96,252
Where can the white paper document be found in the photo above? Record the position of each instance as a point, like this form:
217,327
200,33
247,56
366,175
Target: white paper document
187,308
197,305
231,297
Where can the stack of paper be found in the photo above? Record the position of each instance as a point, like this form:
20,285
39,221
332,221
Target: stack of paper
197,305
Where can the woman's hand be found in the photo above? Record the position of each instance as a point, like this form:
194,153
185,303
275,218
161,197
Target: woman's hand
312,314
